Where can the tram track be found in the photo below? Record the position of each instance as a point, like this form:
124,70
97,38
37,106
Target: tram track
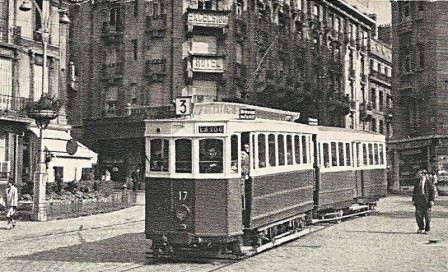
63,232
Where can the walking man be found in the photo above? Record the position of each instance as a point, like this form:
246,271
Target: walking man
423,200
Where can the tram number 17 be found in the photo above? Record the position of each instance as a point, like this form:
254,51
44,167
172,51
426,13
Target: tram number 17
183,195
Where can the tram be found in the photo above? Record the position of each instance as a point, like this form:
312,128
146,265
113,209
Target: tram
207,196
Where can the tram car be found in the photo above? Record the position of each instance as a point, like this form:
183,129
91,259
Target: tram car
231,177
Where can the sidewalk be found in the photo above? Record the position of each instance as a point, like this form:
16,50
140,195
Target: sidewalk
30,229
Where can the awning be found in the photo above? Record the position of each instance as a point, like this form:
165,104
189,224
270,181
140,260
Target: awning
55,141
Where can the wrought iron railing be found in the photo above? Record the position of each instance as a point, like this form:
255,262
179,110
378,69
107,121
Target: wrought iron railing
13,104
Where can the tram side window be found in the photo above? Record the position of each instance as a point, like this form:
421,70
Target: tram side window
159,155
341,154
289,150
334,161
304,149
297,148
234,153
253,152
183,156
261,150
370,154
281,149
326,153
364,154
271,150
210,156
381,154
348,158
376,154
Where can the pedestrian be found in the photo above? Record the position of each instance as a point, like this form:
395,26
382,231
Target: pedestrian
423,200
245,161
136,179
11,199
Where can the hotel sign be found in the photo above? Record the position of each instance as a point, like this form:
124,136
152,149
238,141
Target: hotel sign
208,20
208,64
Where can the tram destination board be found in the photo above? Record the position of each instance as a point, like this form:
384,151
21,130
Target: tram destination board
247,114
211,129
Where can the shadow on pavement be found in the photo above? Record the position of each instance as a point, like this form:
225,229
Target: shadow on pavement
411,214
382,232
126,248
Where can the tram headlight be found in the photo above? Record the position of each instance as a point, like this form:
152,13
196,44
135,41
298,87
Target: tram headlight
182,212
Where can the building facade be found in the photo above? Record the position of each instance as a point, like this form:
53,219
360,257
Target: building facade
132,58
22,74
419,89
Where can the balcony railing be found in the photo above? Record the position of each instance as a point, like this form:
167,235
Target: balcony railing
12,105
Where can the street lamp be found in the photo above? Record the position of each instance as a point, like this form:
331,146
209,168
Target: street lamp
46,109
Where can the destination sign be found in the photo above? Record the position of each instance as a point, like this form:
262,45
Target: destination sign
247,114
211,129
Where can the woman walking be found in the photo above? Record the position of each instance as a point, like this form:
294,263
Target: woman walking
11,199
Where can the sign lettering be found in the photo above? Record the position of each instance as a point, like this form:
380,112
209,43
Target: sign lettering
211,129
201,64
210,20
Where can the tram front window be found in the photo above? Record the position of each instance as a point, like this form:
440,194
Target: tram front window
183,156
210,156
159,155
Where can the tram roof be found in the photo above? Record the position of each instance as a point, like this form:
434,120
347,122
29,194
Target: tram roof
331,133
226,111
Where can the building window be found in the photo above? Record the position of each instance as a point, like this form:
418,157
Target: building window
5,83
373,124
381,100
406,9
205,4
381,127
373,97
421,56
135,49
379,68
316,12
135,8
239,8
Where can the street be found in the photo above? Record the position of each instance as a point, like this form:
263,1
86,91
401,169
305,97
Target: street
383,241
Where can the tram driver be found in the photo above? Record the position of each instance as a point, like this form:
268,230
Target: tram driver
212,162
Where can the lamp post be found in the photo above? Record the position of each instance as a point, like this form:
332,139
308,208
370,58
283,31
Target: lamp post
46,108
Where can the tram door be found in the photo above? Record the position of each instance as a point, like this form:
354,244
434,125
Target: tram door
357,162
246,178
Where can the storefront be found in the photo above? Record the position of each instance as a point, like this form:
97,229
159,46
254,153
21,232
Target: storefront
410,155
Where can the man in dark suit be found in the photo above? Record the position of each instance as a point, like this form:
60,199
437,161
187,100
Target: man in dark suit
423,200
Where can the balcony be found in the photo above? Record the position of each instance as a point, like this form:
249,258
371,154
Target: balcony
112,71
380,77
339,103
365,111
12,106
213,19
205,63
156,26
112,33
155,70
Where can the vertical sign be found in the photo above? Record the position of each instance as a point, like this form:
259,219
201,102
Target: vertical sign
183,105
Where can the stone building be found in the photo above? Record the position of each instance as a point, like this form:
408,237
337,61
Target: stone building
22,75
419,89
132,58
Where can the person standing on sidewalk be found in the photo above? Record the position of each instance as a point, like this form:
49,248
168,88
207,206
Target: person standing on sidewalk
11,199
423,200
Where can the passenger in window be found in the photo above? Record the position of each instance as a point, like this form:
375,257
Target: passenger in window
212,163
156,161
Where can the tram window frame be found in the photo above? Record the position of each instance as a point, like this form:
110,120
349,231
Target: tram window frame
262,154
159,155
305,156
272,154
298,149
183,155
341,155
289,150
326,155
253,157
371,155
365,158
334,154
234,153
281,149
376,154
211,165
348,155
381,149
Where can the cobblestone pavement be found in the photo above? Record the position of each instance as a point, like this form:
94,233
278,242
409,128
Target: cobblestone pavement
384,241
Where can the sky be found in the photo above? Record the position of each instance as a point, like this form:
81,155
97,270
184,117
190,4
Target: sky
380,7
